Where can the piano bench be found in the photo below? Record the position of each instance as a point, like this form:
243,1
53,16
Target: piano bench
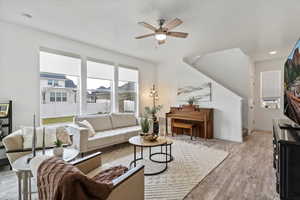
190,127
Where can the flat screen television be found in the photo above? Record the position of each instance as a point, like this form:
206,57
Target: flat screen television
292,85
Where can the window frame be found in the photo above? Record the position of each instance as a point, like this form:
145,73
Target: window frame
83,77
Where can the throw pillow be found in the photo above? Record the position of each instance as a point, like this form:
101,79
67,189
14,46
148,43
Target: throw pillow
63,135
90,128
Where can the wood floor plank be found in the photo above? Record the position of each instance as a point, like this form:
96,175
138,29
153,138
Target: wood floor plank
246,174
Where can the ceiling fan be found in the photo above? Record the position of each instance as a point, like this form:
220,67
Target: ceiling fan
163,31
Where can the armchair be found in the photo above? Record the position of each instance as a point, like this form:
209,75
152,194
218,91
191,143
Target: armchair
129,186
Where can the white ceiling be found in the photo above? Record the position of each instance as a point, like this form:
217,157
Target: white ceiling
255,26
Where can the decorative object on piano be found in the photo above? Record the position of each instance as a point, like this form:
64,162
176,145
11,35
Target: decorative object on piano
4,108
145,124
58,150
201,93
192,100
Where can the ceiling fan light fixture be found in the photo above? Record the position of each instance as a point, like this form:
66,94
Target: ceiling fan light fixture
160,36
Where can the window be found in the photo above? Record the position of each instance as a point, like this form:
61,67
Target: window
52,96
270,89
108,88
64,97
58,97
59,84
127,90
56,83
50,82
99,87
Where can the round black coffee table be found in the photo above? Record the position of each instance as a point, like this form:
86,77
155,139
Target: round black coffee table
138,141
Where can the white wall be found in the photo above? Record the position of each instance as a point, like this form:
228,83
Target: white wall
231,68
19,67
227,105
262,116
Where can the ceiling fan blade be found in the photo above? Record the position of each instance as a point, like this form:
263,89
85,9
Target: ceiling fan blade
172,24
161,42
144,36
177,34
149,26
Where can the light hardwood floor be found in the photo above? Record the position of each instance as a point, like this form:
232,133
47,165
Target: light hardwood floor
246,174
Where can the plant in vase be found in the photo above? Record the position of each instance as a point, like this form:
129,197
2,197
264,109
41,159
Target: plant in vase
145,125
58,149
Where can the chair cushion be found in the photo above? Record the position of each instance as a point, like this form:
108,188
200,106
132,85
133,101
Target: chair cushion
111,137
123,120
50,136
99,122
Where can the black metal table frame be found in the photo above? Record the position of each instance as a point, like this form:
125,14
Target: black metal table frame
135,159
171,158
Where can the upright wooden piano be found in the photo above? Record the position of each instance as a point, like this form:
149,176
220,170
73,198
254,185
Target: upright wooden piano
201,118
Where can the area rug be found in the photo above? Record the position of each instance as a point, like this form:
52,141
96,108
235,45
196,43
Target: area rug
191,164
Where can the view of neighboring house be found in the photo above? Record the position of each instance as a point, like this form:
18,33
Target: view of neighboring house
57,88
59,96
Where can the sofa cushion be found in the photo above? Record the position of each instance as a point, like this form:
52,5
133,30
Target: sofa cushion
111,137
123,120
99,122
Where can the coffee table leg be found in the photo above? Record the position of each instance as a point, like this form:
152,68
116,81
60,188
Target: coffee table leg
134,155
171,150
166,155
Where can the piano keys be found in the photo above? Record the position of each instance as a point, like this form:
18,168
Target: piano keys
200,118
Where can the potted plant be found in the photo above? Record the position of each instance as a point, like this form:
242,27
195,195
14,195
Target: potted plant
191,101
58,149
145,125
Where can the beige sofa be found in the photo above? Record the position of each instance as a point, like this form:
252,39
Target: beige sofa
129,186
110,129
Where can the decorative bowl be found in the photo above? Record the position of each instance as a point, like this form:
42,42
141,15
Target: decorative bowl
150,137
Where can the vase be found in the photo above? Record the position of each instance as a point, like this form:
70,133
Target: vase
58,151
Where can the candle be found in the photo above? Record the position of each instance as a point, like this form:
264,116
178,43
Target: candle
43,140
